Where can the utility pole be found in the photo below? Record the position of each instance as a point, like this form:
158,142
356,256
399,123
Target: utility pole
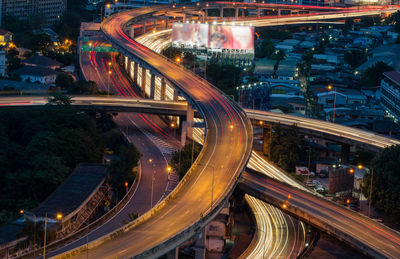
45,230
370,192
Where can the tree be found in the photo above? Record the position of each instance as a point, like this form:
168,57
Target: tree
59,99
285,147
120,169
395,20
372,75
225,77
266,49
354,58
64,81
386,183
181,160
13,64
38,42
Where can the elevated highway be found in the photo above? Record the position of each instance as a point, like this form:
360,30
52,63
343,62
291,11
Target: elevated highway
323,129
185,211
364,234
225,154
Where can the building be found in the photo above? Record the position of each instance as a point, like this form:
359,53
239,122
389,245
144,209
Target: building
3,61
47,11
37,74
390,93
42,61
5,37
341,179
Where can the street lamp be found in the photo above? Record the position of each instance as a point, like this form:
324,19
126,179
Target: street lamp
126,186
173,126
212,184
334,102
109,82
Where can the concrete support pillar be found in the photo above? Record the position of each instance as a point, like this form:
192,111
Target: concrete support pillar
173,254
155,23
175,95
135,73
345,154
131,32
163,89
236,12
279,11
166,22
189,119
205,11
144,26
221,12
243,12
267,131
200,249
258,12
184,17
152,86
143,81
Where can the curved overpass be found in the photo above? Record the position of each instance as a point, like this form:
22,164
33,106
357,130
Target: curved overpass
366,139
224,156
366,235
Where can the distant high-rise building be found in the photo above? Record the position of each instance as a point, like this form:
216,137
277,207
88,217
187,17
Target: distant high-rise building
390,94
47,12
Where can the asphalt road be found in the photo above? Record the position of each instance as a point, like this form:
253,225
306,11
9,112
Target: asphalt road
224,156
355,226
148,133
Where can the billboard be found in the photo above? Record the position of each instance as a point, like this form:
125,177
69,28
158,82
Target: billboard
190,34
231,37
213,36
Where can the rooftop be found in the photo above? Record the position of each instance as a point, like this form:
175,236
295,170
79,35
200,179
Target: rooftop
4,32
35,71
41,61
85,179
394,76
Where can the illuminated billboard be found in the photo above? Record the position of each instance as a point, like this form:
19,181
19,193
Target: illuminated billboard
213,36
190,34
231,37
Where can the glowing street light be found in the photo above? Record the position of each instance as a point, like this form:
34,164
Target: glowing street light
109,82
330,87
126,186
59,216
169,169
178,60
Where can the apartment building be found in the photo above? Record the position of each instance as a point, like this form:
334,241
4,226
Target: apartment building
48,11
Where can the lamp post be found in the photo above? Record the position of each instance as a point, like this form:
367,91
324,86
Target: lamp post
334,102
34,227
109,82
212,184
370,192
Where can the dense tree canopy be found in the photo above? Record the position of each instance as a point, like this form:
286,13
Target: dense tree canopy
182,160
372,75
354,58
285,147
386,183
38,150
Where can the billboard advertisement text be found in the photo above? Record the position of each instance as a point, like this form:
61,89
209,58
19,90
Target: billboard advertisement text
213,36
